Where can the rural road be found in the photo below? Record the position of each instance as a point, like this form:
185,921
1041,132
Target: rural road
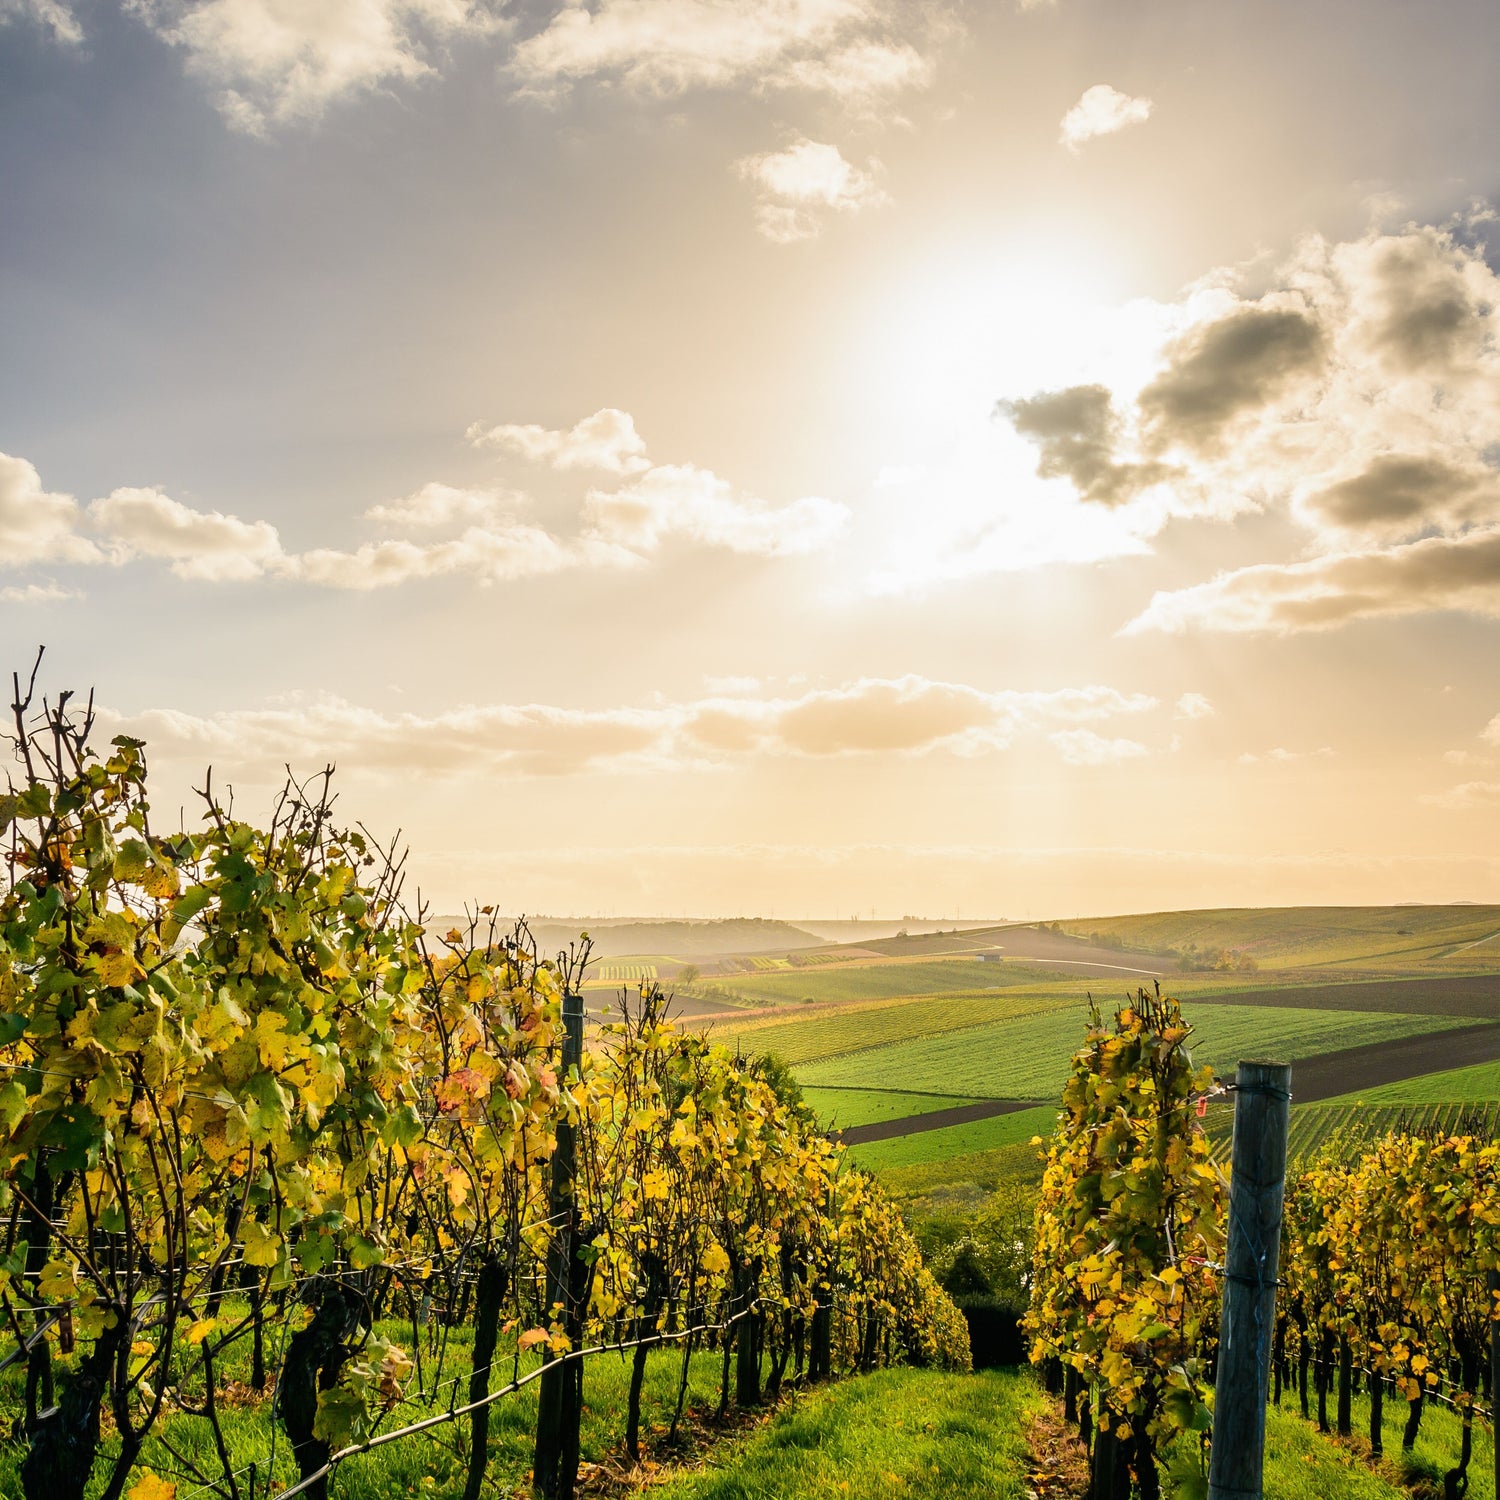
934,1119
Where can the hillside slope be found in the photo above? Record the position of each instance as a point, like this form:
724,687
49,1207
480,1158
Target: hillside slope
1387,937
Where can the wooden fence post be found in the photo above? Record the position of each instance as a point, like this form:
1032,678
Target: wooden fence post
1257,1183
559,1399
1492,1285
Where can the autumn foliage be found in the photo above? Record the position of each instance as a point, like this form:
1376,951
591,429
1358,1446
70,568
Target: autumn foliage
242,1086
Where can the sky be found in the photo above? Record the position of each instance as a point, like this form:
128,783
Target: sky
790,457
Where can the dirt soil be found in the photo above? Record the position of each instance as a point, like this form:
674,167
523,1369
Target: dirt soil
1059,1461
1355,1068
933,1119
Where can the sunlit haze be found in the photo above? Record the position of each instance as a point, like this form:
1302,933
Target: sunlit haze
795,457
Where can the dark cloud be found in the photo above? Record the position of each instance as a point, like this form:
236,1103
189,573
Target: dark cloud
1460,573
1428,317
1401,493
1076,431
1234,365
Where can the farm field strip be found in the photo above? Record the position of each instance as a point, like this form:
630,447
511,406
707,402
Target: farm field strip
938,1119
840,1109
1476,995
1011,1059
1332,1074
1478,1083
860,1028
1013,1131
881,981
622,971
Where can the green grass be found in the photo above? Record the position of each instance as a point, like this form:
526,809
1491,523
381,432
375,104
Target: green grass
856,1028
1296,1450
956,1140
961,1184
879,981
843,1107
896,1433
1028,1058
1301,1464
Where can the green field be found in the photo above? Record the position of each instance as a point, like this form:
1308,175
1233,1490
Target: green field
1027,1058
857,1028
879,981
949,1141
838,1108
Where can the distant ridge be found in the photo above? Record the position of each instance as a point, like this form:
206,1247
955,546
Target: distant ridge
614,938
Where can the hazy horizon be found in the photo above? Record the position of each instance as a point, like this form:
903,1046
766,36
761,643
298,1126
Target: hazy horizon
773,455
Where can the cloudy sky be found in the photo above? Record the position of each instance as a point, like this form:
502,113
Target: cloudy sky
782,456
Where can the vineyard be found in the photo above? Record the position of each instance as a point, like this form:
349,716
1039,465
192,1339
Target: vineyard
1389,1267
289,1180
624,971
1345,1128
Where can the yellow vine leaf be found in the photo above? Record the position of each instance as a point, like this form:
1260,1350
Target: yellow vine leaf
152,1487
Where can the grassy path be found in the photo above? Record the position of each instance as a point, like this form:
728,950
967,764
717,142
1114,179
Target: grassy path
895,1433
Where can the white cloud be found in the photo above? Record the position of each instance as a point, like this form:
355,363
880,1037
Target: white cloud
853,50
51,15
1101,111
198,544
872,716
275,62
35,524
1357,391
1194,706
437,505
681,500
493,554
37,593
1436,573
1083,747
1282,756
530,739
607,440
1467,758
661,503
664,500
908,714
1468,795
799,186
